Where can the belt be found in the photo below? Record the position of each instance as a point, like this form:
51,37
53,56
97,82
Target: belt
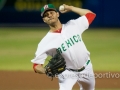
81,69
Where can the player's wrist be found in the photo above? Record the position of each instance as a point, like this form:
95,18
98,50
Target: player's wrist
40,69
71,8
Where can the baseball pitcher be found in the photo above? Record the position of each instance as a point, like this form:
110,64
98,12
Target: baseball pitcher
70,58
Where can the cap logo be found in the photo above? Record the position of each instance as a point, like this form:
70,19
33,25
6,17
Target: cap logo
46,6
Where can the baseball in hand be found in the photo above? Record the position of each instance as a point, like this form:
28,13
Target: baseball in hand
61,8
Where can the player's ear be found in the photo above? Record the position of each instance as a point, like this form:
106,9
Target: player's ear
43,20
58,14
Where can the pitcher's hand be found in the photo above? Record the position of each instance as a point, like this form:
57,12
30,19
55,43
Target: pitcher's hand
67,8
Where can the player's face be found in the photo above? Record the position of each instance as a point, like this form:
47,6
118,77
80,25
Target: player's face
50,17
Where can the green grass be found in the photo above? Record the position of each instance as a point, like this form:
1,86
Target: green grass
104,45
18,45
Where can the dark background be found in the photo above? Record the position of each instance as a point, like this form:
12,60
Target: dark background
27,12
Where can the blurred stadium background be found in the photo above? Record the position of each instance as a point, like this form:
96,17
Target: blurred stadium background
27,12
21,29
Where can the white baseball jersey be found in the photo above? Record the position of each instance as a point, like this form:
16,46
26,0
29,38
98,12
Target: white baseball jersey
69,42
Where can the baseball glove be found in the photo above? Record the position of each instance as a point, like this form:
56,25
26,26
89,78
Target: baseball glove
55,66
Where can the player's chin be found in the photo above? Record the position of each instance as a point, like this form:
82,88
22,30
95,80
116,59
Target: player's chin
52,23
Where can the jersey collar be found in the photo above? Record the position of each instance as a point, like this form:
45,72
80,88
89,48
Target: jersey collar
58,31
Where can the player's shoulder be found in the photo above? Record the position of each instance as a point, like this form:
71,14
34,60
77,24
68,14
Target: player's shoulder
70,22
44,37
73,21
48,37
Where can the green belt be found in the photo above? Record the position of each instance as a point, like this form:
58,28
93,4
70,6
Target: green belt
81,69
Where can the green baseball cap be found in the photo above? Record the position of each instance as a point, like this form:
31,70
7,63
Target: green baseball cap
46,8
